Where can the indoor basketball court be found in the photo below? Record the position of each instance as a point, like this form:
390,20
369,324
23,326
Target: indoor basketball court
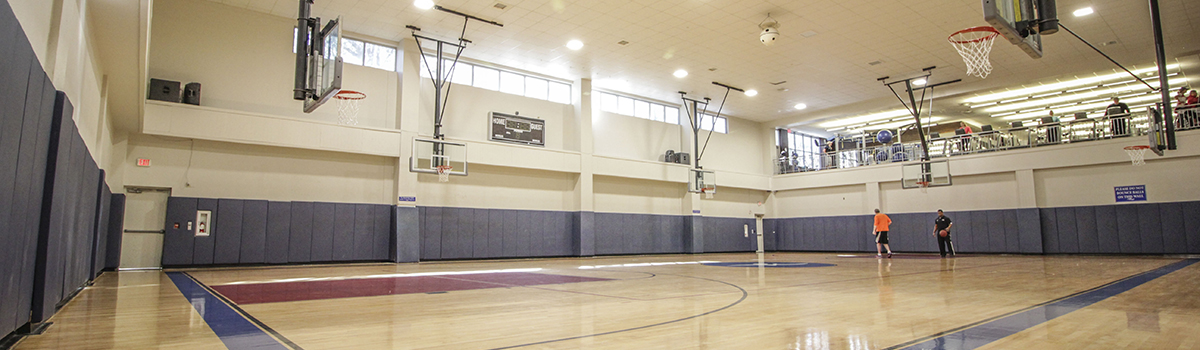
970,174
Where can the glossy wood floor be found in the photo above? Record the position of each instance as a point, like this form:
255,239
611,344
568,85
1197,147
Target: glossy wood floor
664,302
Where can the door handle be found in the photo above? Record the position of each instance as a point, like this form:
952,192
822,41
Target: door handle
147,231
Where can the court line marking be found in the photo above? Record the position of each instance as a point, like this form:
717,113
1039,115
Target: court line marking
743,298
230,323
989,330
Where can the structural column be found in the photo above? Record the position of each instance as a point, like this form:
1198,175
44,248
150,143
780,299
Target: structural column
585,232
407,230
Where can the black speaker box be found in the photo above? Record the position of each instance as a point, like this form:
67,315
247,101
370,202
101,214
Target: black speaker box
164,90
683,158
191,94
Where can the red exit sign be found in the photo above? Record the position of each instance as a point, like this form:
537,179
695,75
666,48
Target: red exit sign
143,162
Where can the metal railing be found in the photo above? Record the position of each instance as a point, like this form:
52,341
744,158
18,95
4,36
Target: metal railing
1047,134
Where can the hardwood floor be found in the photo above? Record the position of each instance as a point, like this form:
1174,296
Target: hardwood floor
650,302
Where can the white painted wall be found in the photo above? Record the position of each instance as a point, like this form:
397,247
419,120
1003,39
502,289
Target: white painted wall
244,61
469,108
229,170
61,38
823,201
498,187
1166,180
622,136
625,195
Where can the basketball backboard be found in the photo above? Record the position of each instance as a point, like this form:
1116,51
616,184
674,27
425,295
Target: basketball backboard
1013,19
1155,132
934,173
325,66
702,181
427,155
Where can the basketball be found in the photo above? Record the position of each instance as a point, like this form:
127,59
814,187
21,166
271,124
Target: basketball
943,233
884,136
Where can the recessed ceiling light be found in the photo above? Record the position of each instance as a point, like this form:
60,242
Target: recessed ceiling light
799,106
574,44
919,82
751,92
680,73
1083,12
423,4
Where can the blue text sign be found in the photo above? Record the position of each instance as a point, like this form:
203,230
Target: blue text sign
1130,193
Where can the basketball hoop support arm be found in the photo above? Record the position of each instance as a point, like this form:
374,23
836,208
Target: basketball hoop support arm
693,116
303,23
915,108
439,80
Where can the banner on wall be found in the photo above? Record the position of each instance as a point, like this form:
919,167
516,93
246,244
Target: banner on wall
1130,193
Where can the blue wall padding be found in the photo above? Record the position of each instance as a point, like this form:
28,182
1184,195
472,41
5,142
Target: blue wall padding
1174,238
116,228
279,225
178,241
1191,226
1149,218
254,232
300,232
322,232
203,248
227,231
406,240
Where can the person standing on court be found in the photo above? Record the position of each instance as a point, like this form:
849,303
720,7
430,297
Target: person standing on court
943,223
881,234
1118,113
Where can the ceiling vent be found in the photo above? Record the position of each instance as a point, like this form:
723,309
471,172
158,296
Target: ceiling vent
500,6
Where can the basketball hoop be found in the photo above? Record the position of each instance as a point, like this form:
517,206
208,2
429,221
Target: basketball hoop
975,44
443,172
708,192
1137,154
348,106
924,185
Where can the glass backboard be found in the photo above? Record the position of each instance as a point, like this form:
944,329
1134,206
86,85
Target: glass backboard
325,66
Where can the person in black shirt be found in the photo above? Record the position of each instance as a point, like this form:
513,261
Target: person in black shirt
943,222
1118,114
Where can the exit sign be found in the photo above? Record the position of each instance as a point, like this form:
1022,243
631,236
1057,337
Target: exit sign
143,162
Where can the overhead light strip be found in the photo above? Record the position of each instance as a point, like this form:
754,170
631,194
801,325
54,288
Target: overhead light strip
1060,85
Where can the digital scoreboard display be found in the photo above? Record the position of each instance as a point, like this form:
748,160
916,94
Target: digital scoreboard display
517,129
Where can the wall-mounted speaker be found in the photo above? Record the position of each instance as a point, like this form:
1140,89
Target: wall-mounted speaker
191,94
164,90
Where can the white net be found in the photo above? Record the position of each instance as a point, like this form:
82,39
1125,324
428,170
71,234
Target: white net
974,45
443,172
348,106
1137,154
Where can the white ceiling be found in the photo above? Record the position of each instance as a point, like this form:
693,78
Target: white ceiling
828,71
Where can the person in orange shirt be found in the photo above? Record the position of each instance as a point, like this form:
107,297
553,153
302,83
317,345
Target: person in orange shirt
881,231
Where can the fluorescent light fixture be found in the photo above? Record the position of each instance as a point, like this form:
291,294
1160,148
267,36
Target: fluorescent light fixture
751,92
866,118
574,44
423,4
898,124
800,106
1059,86
919,81
1085,107
680,73
1079,97
1083,12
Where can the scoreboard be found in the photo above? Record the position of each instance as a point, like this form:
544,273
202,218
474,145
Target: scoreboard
517,129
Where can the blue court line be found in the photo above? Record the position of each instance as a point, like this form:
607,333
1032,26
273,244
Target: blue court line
979,335
235,331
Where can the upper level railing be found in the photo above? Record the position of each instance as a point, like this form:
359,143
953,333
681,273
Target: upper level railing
1041,135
